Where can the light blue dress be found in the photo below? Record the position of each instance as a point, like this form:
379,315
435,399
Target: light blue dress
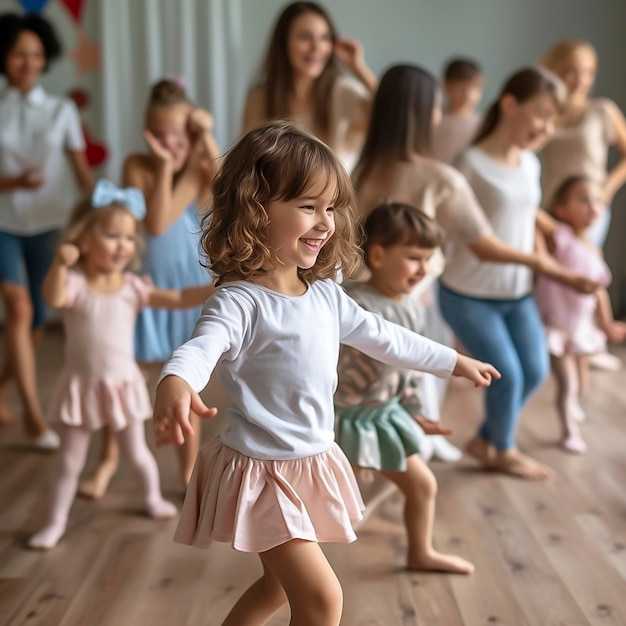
172,260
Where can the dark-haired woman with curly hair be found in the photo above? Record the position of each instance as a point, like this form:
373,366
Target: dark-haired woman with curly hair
42,169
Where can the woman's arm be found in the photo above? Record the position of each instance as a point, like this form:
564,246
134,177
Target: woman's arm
27,180
55,283
617,176
253,113
82,173
350,51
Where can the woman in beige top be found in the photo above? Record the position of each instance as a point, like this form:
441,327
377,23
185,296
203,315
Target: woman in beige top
303,79
588,126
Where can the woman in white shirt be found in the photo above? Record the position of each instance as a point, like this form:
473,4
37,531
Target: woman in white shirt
490,306
303,79
42,169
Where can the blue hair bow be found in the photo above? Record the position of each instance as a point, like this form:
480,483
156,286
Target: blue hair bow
105,193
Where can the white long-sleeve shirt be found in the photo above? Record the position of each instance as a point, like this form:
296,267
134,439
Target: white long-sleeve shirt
276,358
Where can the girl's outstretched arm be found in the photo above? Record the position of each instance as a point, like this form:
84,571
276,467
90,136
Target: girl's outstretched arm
180,298
173,402
55,284
481,374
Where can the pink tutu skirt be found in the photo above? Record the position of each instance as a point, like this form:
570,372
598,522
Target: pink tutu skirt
96,402
587,338
258,504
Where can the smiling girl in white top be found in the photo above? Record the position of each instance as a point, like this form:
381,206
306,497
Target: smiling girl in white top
42,170
490,306
274,482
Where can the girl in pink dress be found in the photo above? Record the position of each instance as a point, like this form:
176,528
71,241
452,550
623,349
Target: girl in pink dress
101,384
576,323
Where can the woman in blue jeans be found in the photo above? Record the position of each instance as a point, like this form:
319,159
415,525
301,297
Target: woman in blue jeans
490,306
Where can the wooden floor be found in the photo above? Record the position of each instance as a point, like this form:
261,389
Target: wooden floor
552,553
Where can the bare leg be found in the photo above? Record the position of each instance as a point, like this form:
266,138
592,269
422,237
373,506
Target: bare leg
566,374
21,355
419,486
132,442
188,452
582,363
70,463
259,602
96,484
312,589
7,416
482,450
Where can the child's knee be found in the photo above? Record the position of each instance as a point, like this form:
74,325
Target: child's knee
327,600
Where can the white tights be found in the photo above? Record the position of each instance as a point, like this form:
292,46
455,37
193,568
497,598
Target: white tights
566,372
70,463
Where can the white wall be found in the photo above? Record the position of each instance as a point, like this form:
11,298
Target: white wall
501,34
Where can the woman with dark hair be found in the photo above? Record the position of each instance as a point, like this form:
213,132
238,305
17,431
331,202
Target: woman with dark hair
303,79
396,165
42,170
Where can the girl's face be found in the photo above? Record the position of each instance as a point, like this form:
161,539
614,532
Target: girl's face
25,61
168,124
109,246
531,121
301,227
578,210
309,45
397,269
579,72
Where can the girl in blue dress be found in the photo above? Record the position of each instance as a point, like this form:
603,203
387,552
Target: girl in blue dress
175,177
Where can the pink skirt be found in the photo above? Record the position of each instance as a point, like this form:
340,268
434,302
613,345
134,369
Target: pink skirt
587,338
257,504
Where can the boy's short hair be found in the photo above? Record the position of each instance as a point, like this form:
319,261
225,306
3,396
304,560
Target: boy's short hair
399,224
462,68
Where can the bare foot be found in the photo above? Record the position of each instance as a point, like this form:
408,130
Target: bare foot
482,450
515,463
438,562
97,484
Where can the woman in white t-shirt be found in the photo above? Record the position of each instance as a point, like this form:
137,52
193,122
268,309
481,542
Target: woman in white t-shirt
42,169
303,79
490,306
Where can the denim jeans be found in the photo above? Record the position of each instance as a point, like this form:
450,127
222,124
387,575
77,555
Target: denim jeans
509,335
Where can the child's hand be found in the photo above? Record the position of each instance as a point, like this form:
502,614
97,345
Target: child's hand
199,121
478,372
172,405
156,149
430,427
68,254
616,332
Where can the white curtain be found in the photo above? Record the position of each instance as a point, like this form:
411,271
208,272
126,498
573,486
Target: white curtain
144,40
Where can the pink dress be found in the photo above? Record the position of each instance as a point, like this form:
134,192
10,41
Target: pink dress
569,316
101,383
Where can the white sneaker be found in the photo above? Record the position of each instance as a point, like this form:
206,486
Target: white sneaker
47,441
444,451
605,361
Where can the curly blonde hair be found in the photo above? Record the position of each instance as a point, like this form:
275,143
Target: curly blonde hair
275,161
85,217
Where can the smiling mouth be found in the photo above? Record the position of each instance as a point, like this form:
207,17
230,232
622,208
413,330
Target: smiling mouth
313,244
